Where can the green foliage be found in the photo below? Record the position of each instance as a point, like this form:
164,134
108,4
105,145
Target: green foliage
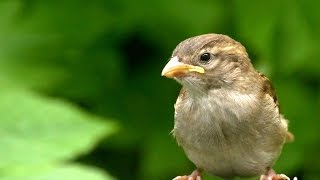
38,133
106,58
54,172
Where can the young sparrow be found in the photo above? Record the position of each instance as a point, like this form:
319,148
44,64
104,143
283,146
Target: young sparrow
227,117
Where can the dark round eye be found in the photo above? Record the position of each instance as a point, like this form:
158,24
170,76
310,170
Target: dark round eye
205,57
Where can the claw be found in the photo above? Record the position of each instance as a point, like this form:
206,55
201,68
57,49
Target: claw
195,175
271,175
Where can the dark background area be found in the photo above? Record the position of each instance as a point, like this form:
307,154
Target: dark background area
105,58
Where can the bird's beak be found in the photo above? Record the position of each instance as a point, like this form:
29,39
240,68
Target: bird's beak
174,68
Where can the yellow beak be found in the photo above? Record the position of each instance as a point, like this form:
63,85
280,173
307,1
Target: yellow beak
174,68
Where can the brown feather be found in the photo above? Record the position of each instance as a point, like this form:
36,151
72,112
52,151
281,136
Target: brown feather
268,89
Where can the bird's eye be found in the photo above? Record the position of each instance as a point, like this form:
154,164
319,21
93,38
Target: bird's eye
205,57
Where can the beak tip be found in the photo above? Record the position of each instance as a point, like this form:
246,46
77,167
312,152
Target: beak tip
163,73
166,71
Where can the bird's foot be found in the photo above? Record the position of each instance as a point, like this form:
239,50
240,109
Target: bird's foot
271,175
275,177
195,175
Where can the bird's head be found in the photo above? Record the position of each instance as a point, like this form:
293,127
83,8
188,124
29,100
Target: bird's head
207,61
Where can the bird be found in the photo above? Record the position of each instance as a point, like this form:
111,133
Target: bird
227,118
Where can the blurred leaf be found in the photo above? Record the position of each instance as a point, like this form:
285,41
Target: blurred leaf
55,172
37,130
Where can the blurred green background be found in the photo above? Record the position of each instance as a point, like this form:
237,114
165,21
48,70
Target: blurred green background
81,96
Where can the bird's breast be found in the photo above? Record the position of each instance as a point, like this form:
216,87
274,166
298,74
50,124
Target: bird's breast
213,119
221,130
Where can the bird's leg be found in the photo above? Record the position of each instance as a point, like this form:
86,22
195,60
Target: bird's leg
195,175
271,175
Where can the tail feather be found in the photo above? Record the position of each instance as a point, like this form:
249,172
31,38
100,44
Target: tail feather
290,137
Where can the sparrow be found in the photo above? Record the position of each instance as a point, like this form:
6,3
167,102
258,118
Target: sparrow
227,117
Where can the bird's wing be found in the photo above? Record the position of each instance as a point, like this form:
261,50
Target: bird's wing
268,88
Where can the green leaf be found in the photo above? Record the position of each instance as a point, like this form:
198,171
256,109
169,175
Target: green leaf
38,130
54,172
